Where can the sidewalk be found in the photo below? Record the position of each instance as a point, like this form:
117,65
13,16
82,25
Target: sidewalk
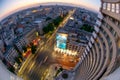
70,75
52,72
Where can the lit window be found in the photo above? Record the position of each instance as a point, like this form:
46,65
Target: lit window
108,6
113,7
104,5
117,8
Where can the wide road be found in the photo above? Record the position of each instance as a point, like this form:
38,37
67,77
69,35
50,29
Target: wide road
35,67
39,65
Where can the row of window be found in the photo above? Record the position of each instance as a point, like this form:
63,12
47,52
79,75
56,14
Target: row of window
11,55
78,50
112,7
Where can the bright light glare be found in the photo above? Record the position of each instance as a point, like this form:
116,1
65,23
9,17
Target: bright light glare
61,41
69,52
72,18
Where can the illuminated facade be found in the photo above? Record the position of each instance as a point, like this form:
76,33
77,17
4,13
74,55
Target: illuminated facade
61,40
79,48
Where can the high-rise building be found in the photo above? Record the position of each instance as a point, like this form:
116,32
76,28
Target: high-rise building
102,55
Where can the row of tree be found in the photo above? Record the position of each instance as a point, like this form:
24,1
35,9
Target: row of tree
32,46
53,25
87,28
19,58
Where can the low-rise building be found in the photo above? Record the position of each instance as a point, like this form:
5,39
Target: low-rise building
39,24
8,36
30,34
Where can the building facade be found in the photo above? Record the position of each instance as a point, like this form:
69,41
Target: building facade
102,55
10,55
31,35
77,47
19,43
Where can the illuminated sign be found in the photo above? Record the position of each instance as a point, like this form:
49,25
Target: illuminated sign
61,40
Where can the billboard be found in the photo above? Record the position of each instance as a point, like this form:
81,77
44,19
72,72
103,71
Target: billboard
61,40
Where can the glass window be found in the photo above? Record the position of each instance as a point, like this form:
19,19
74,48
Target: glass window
104,5
117,8
113,7
108,6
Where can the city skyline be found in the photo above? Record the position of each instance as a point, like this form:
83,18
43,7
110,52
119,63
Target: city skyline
59,40
9,7
57,48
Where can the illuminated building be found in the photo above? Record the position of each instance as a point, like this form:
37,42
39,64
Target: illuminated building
61,40
77,47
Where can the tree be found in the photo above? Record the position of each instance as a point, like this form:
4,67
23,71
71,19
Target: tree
50,27
65,75
20,57
24,48
17,60
11,68
57,20
27,22
87,28
58,71
33,48
48,18
45,29
60,68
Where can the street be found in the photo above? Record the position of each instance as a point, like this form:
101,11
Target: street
35,67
